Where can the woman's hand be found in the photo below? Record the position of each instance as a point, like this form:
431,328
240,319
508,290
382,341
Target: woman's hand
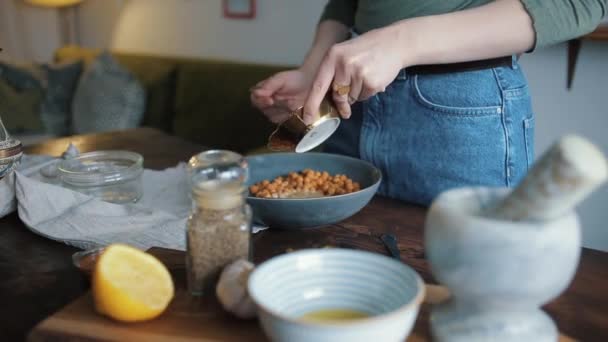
285,92
356,70
281,94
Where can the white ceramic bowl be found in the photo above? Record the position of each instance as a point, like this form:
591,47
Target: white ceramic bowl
291,285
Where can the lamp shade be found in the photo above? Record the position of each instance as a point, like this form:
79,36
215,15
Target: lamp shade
53,3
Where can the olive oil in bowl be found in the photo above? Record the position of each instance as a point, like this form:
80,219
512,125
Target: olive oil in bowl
333,315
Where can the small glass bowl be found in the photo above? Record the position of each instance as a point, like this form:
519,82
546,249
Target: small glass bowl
86,260
112,176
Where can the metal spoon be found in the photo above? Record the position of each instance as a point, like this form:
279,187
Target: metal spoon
390,242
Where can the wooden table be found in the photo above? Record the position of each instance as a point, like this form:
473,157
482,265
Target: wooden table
38,278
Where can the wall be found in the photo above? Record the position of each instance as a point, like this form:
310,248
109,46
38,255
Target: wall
27,32
582,110
281,34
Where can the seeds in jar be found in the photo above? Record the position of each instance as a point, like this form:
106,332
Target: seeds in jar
305,184
215,238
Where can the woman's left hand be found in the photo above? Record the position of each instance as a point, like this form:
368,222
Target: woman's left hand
356,70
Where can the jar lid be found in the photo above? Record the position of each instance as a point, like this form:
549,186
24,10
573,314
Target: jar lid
218,178
294,135
101,168
317,134
221,165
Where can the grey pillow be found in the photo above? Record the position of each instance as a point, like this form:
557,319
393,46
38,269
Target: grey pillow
108,97
57,84
56,109
23,76
21,95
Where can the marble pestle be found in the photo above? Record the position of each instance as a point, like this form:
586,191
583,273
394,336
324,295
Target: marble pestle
563,177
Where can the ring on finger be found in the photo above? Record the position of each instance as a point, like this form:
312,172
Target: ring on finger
342,89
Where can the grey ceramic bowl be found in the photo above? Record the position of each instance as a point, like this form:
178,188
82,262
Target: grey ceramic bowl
297,213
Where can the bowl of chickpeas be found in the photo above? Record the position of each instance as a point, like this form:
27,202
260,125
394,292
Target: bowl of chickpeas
306,190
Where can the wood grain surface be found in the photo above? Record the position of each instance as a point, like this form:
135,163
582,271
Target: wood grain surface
39,279
186,319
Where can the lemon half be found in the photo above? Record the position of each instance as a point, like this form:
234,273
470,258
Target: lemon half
130,285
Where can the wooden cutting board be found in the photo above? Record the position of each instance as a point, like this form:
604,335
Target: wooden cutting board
185,320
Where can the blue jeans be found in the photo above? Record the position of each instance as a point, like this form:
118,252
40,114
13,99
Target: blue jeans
431,133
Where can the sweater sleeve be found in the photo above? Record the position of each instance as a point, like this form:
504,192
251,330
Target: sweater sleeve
342,11
556,21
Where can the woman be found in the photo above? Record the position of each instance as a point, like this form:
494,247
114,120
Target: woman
429,96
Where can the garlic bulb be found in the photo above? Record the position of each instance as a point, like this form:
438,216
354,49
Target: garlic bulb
231,289
51,170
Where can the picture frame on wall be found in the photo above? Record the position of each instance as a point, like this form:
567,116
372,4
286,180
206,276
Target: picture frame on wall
239,9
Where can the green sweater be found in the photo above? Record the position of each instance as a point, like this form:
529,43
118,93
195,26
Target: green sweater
555,21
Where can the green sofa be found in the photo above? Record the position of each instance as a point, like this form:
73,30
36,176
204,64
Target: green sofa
200,100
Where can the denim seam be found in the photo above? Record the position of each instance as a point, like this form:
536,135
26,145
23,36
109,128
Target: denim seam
387,164
505,129
363,137
529,157
368,138
455,111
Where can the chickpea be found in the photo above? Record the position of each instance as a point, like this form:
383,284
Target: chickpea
307,180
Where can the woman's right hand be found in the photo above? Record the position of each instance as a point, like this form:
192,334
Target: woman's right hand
282,93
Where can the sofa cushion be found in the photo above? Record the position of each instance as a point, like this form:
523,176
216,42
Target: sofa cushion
56,109
21,93
213,107
108,97
23,76
20,108
51,114
156,74
158,78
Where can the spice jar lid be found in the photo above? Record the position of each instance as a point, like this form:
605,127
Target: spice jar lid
294,135
320,131
218,178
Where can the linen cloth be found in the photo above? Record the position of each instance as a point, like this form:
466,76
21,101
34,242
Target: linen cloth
158,219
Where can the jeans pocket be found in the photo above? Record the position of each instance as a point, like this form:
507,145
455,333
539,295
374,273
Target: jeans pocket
529,138
470,93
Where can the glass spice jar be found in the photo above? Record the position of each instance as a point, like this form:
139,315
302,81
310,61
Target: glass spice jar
218,230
